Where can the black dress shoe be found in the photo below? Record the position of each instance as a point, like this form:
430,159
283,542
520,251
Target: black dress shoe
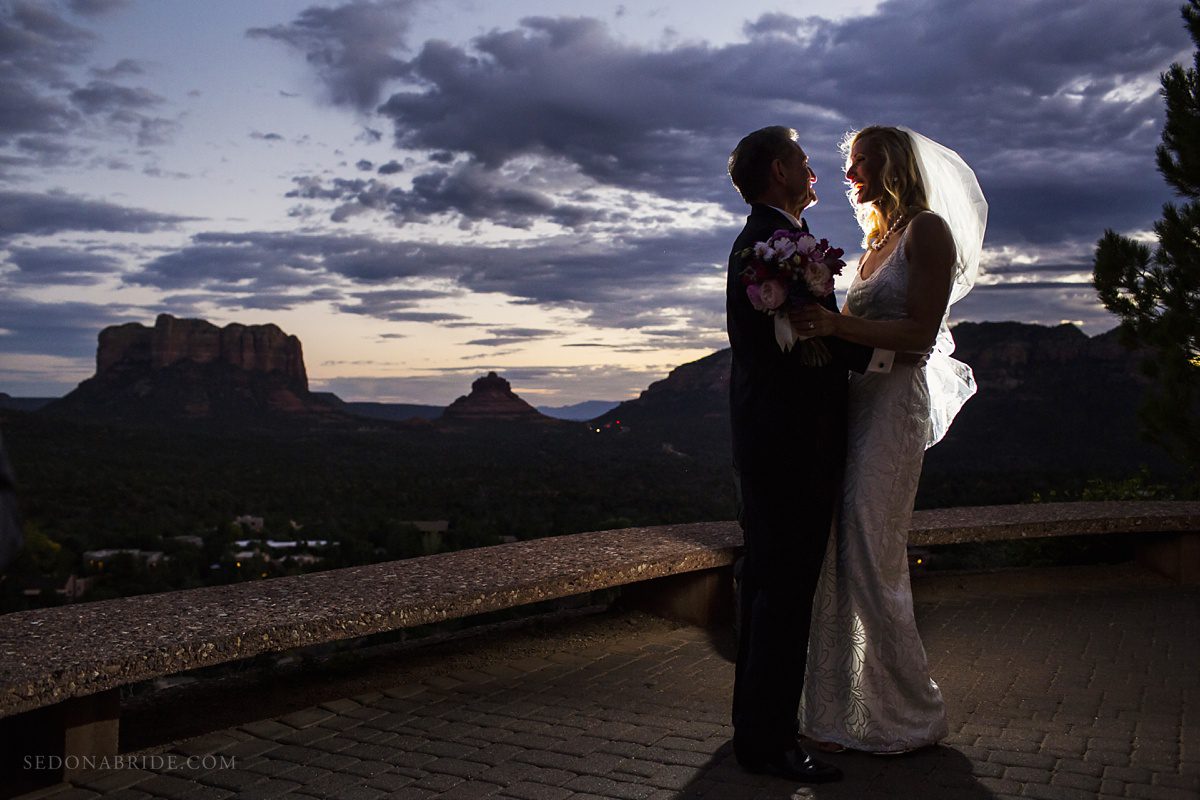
794,765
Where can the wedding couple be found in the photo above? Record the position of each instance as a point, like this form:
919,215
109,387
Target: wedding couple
827,466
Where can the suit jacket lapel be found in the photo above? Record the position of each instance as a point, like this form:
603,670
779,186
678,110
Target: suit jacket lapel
771,216
768,217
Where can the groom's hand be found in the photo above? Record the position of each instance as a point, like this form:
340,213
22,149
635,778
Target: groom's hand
813,319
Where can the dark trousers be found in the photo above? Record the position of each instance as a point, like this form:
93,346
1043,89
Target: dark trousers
785,520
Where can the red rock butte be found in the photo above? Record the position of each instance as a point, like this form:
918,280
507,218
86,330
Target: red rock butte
192,369
255,348
491,398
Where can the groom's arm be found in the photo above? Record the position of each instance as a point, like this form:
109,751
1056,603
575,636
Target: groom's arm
859,357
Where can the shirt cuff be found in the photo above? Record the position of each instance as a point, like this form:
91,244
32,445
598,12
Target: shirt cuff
881,360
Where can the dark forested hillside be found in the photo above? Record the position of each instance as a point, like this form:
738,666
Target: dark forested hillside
1055,410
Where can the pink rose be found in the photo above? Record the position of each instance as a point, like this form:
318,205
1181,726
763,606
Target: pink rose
752,291
818,278
772,294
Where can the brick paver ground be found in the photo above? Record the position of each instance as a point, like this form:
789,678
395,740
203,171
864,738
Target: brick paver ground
1061,684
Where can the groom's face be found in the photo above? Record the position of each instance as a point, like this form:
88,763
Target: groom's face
798,179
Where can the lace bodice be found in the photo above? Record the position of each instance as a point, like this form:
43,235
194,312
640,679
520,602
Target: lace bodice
884,295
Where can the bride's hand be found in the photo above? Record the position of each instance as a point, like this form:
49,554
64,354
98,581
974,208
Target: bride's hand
813,319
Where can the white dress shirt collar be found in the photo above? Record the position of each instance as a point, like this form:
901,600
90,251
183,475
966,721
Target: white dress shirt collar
788,217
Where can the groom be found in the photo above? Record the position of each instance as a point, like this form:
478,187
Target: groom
789,430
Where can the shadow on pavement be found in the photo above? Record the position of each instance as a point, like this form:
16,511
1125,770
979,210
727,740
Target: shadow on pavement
937,773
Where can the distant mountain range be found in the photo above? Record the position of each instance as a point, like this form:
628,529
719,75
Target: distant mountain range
396,412
393,412
191,371
580,412
1050,400
10,403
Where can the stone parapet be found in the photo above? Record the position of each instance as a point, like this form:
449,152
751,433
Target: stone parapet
51,655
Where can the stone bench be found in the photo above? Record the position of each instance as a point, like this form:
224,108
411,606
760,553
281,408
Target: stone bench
1173,550
61,668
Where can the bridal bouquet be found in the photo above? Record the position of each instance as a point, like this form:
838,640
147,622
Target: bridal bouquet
786,271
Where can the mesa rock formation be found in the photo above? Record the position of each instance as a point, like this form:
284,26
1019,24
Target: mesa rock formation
255,348
491,398
192,369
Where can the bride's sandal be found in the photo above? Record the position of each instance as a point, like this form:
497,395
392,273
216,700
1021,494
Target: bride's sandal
828,747
902,752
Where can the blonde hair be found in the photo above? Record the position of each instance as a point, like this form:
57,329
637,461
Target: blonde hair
903,188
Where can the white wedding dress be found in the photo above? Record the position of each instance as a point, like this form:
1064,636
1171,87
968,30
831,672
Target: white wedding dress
867,684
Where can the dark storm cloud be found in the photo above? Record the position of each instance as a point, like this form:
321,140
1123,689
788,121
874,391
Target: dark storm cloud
33,213
398,305
61,328
553,119
37,43
393,313
96,7
1042,99
1039,268
237,265
104,96
632,283
43,150
38,48
469,191
265,301
566,88
242,264
125,68
122,107
151,131
502,337
197,303
313,187
352,47
1042,303
25,111
477,193
45,266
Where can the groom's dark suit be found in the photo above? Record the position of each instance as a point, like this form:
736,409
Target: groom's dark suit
789,432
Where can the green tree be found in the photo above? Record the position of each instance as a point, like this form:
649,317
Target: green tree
1156,294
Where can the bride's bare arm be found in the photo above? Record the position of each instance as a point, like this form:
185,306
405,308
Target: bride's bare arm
930,251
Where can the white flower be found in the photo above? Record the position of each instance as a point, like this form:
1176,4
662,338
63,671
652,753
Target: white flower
786,248
810,247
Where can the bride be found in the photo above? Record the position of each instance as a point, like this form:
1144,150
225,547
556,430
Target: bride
867,685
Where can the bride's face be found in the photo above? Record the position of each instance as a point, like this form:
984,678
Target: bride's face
862,172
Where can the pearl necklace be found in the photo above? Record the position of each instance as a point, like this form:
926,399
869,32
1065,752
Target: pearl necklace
895,226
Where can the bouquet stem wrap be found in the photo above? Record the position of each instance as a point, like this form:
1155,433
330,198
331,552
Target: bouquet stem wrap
812,351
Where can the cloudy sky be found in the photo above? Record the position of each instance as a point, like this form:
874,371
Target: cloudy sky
424,190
